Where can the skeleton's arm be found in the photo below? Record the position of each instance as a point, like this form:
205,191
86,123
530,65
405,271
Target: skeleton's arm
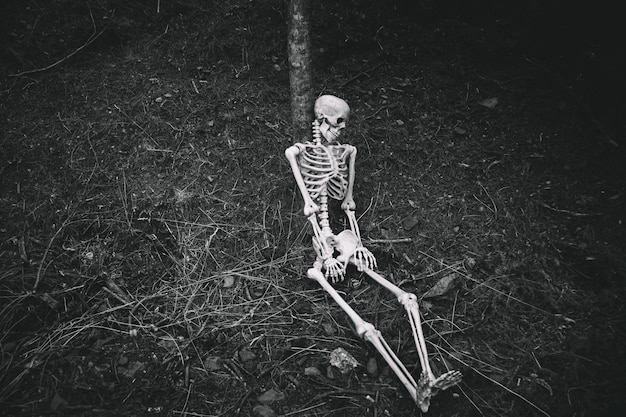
348,201
362,256
334,270
348,205
291,154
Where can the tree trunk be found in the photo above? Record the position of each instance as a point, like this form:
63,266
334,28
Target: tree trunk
299,45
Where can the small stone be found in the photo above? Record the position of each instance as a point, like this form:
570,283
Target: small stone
229,281
343,360
122,361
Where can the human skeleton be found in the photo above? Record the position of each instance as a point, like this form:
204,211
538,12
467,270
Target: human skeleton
324,168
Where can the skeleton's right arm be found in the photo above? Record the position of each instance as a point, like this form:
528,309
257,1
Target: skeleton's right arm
291,154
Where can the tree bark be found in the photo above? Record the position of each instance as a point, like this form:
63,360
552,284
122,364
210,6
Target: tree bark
299,46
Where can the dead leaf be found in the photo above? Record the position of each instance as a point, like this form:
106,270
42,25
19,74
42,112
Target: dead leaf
372,366
443,286
214,363
312,371
490,103
263,411
409,222
182,196
57,402
329,329
48,299
168,344
271,396
247,355
541,382
130,370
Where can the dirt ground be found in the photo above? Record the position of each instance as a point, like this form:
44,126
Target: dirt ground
153,250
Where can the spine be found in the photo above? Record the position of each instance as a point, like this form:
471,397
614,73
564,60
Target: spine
317,135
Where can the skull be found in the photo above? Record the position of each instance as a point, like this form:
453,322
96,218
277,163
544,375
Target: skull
332,113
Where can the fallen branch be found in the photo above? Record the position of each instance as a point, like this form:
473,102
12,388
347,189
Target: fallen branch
42,265
360,74
568,212
398,240
339,393
95,35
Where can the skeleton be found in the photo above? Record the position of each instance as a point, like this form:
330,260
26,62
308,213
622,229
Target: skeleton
324,168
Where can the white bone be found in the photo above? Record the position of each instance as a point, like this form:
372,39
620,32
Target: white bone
368,332
428,385
326,170
332,113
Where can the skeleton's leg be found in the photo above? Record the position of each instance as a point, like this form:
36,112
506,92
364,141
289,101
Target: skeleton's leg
428,384
410,304
368,332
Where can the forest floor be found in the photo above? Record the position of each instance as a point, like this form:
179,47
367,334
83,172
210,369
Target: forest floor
153,250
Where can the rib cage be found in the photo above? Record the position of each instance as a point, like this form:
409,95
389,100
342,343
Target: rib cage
324,167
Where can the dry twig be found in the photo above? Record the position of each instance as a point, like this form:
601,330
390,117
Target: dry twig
95,35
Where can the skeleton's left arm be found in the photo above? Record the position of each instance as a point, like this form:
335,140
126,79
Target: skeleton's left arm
348,201
362,256
348,205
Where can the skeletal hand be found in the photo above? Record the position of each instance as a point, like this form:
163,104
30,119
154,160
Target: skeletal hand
363,258
334,270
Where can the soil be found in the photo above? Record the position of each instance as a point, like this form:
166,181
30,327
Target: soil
153,249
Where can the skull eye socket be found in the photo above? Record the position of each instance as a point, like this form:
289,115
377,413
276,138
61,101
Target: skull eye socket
340,120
